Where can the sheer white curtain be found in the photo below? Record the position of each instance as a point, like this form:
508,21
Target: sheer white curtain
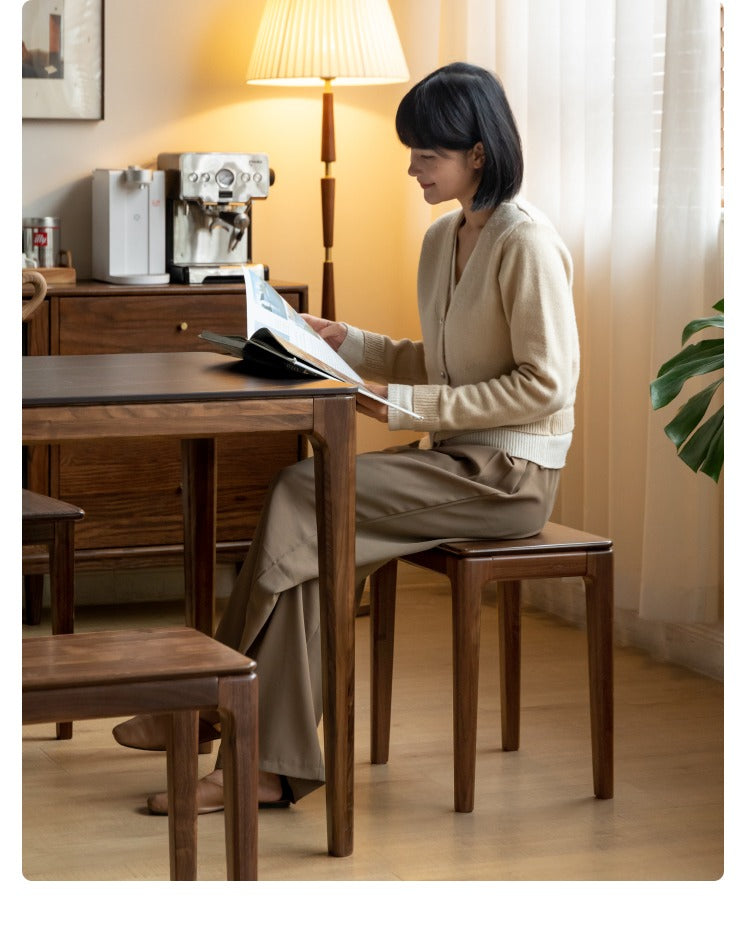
618,105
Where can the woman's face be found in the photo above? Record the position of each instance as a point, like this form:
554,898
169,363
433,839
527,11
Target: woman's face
447,175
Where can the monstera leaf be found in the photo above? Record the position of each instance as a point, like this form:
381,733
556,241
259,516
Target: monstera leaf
700,444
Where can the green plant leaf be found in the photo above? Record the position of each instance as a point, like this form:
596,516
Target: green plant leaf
693,360
695,352
714,460
697,324
690,414
701,447
705,450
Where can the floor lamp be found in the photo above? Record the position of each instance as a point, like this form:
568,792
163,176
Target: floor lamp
309,42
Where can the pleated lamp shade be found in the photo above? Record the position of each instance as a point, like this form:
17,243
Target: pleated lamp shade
346,41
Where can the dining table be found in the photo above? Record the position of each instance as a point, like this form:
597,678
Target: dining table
197,397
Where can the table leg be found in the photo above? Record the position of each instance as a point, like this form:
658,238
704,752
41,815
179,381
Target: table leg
333,440
199,515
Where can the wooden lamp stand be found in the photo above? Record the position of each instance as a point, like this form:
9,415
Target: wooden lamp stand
327,193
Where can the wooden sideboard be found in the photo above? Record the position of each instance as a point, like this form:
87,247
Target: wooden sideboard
131,491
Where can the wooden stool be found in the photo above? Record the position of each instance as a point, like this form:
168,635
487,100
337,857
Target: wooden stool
176,671
48,525
556,552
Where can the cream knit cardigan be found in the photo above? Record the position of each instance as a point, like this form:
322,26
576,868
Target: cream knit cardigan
498,361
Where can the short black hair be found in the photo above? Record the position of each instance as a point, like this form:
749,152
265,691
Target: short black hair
454,108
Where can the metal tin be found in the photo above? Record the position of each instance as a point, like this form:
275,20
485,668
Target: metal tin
41,240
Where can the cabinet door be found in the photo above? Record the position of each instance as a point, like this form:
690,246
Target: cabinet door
131,490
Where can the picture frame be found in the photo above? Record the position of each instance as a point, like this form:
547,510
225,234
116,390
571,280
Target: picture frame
63,59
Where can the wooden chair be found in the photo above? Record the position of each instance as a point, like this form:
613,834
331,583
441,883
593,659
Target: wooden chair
556,552
175,671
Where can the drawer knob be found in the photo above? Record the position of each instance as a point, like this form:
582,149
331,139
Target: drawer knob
183,327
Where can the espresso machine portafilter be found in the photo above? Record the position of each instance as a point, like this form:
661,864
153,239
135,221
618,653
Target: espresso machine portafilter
209,220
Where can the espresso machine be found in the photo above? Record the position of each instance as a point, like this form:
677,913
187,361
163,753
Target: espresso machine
209,198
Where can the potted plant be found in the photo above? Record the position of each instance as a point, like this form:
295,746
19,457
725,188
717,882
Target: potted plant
700,446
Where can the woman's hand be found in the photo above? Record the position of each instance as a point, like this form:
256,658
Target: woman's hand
371,407
334,333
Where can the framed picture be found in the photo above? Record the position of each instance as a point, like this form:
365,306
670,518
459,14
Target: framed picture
63,59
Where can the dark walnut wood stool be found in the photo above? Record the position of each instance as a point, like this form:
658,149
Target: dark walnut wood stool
556,552
47,530
47,527
176,671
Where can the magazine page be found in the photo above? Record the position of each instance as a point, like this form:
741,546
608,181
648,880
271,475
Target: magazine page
267,309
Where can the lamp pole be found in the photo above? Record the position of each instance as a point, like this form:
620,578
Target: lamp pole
327,193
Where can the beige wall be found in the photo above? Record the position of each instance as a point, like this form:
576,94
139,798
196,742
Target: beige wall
174,81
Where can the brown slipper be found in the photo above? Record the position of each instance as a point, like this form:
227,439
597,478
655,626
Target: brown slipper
147,732
211,799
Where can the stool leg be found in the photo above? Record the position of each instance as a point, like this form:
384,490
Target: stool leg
33,586
382,621
466,593
238,708
599,621
61,577
509,628
182,778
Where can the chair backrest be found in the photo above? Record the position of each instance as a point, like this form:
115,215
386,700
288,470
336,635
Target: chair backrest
39,283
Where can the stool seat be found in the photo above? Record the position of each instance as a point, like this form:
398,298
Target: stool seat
37,508
553,537
175,671
557,551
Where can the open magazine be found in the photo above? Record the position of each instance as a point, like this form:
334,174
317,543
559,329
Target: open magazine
279,343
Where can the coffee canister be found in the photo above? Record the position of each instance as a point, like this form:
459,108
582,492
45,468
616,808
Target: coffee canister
41,239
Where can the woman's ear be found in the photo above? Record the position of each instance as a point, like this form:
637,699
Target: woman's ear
477,155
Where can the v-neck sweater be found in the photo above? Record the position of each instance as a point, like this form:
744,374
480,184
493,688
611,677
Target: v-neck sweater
499,358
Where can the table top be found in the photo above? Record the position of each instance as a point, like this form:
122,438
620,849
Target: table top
149,377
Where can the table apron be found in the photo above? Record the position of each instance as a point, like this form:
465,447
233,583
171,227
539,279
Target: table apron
51,424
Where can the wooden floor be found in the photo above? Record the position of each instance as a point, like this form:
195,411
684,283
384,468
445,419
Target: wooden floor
535,816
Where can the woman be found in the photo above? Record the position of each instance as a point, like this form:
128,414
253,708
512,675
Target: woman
493,379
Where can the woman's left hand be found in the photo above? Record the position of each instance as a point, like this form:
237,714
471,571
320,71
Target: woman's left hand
371,407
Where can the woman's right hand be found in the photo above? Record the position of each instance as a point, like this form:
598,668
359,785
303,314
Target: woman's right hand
334,333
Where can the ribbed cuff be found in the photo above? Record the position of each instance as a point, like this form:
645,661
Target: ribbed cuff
402,394
352,349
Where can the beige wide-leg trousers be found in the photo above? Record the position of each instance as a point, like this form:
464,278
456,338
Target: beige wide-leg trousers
407,500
